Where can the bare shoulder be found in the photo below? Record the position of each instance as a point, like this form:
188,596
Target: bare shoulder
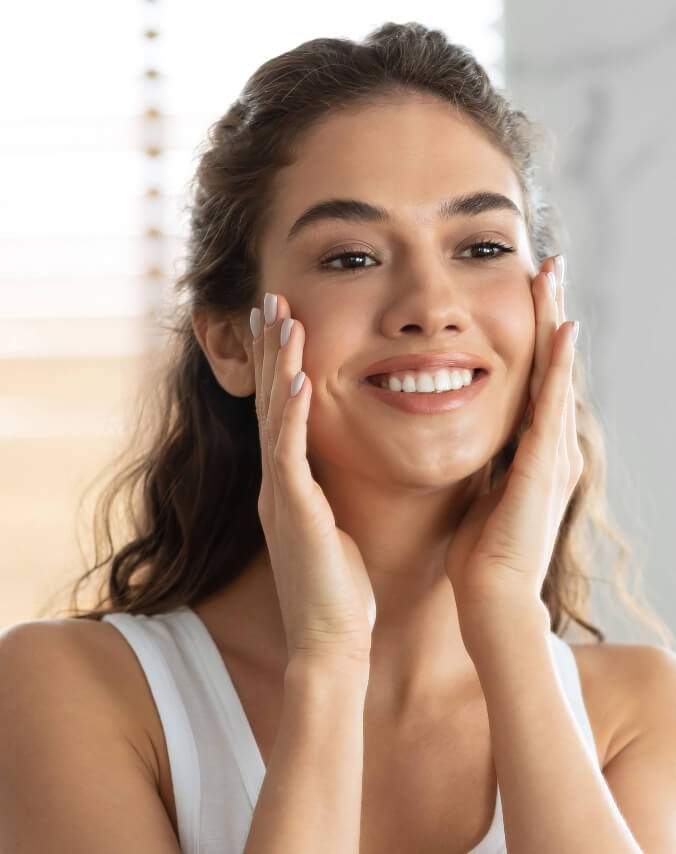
72,696
622,684
91,665
639,769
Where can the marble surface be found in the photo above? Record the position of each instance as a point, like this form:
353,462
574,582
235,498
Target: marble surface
600,77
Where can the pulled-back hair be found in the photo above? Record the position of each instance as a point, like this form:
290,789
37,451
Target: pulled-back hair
191,474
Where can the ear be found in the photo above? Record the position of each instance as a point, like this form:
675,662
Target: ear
228,347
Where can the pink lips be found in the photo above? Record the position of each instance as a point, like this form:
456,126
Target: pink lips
429,403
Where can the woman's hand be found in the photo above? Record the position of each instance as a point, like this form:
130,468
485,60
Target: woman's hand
498,558
327,602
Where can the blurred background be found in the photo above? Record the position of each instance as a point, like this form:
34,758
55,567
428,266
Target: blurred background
104,107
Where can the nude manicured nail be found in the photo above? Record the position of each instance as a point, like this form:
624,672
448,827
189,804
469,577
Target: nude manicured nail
255,323
287,324
270,308
297,382
560,263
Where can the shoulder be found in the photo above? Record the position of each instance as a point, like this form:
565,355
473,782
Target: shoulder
81,667
74,701
626,688
639,769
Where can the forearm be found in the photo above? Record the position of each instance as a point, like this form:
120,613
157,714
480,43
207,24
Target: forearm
553,794
311,796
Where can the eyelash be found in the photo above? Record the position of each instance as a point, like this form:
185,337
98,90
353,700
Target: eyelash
504,250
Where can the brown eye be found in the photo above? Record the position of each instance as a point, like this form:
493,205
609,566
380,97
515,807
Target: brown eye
349,255
487,249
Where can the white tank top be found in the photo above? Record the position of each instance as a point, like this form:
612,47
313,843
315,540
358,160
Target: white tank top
216,767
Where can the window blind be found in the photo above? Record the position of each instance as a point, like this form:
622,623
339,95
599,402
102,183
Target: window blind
103,108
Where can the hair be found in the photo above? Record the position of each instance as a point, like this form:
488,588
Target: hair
191,473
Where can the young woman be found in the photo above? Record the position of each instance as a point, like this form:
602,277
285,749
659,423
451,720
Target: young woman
337,625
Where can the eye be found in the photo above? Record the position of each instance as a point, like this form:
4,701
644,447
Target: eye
486,249
348,253
490,247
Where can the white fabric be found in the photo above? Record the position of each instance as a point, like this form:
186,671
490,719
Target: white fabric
216,767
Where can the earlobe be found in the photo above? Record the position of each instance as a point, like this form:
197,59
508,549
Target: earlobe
229,351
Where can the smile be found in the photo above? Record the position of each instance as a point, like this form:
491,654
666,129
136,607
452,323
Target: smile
425,402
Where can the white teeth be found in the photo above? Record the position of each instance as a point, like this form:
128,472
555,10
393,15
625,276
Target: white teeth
442,380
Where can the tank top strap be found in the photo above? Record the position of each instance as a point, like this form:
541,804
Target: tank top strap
159,656
216,768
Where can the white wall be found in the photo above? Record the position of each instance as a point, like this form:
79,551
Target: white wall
600,75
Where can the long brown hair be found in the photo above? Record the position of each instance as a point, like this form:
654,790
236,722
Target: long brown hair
192,472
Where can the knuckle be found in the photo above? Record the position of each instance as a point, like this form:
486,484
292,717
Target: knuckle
270,445
264,503
282,458
577,465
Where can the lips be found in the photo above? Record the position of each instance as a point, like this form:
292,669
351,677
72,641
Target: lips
425,362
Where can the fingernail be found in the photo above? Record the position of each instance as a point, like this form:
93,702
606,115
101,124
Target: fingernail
297,382
287,325
560,263
552,284
576,330
255,323
270,308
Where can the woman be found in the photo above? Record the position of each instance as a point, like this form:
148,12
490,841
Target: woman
336,627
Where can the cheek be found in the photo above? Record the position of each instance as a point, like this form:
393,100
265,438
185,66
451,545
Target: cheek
511,321
332,340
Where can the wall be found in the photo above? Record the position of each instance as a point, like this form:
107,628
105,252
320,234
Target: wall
600,76
62,420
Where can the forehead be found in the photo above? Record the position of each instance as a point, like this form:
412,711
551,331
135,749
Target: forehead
404,154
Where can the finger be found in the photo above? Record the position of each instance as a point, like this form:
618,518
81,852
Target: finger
560,318
290,456
548,421
266,494
560,294
545,326
256,324
572,447
287,414
266,321
275,309
559,271
288,364
575,458
287,418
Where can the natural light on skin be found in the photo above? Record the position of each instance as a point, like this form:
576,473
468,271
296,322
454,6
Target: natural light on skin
397,481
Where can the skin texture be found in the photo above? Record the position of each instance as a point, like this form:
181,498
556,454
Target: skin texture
397,483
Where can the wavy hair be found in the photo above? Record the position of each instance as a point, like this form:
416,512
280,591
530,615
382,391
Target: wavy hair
191,474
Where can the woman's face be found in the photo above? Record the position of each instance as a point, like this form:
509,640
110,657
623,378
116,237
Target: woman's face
411,284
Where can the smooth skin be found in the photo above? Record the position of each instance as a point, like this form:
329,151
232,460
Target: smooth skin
396,484
83,751
400,486
502,548
486,550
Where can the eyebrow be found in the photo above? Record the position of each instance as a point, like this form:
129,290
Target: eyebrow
353,210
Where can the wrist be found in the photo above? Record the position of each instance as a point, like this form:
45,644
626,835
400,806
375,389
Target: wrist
488,624
321,668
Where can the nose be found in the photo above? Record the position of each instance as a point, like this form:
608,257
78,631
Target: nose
428,299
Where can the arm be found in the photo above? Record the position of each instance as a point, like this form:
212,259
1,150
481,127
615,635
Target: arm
311,796
642,773
554,796
72,780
